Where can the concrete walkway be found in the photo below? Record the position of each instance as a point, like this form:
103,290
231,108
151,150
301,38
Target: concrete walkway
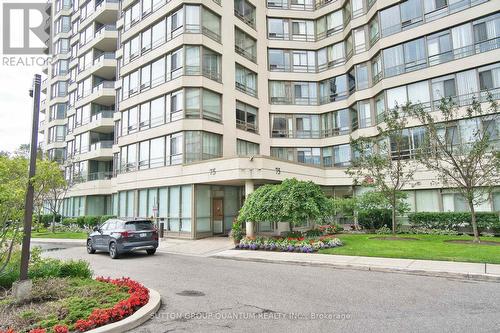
200,247
475,271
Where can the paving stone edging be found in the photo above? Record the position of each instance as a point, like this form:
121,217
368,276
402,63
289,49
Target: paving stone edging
364,267
137,318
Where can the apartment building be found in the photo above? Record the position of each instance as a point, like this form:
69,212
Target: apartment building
178,109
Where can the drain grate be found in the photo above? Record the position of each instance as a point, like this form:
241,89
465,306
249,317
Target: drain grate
194,293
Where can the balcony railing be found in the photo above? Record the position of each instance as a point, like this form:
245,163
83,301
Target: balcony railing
249,55
246,89
246,126
248,20
79,178
105,55
459,100
287,4
102,29
466,51
101,145
94,117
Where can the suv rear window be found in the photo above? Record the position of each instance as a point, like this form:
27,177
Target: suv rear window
139,225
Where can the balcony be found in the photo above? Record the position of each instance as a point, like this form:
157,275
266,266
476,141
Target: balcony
102,93
102,121
436,59
104,66
43,106
99,151
104,175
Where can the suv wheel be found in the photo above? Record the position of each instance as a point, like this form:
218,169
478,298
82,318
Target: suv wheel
113,251
151,251
90,248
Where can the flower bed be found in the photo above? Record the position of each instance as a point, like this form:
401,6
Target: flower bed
138,297
290,244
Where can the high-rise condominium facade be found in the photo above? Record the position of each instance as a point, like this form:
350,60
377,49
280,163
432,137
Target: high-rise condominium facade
179,109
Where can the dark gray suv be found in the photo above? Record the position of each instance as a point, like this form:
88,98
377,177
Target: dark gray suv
119,236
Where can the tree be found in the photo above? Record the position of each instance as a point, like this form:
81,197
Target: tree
13,184
466,160
292,201
50,187
383,162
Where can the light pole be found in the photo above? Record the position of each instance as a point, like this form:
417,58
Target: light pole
28,207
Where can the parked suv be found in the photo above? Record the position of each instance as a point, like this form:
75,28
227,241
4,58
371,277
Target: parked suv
119,236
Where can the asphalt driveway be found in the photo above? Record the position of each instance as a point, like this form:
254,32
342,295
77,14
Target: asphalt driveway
202,294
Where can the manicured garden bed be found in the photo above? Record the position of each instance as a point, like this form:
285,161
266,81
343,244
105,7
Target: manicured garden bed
429,247
289,244
59,235
62,305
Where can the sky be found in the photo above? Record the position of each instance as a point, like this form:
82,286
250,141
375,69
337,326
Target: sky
15,104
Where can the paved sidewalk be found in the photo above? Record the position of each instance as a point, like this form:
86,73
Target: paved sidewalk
58,241
200,247
474,271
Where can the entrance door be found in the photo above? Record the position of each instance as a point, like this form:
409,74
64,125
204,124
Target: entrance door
218,215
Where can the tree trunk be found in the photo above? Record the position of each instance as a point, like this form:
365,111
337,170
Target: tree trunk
39,220
53,223
393,207
290,226
474,222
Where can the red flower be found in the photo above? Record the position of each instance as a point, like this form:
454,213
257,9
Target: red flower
139,296
60,329
38,330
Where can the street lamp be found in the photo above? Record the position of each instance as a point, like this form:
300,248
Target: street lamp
22,289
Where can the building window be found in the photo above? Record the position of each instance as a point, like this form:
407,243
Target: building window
247,148
246,117
246,80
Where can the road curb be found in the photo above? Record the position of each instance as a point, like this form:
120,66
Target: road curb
409,271
137,318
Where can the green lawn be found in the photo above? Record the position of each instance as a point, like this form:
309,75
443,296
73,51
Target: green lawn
59,235
430,247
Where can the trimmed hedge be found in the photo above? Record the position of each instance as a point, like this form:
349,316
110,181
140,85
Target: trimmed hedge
87,221
46,219
453,220
375,218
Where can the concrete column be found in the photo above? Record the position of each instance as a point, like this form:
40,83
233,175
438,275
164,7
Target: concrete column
249,225
248,187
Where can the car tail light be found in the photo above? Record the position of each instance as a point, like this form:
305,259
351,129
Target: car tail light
125,234
155,234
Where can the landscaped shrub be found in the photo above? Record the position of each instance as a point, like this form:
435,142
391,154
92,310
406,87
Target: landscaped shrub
92,221
293,234
46,219
104,218
80,220
331,229
375,218
43,268
453,220
313,233
68,221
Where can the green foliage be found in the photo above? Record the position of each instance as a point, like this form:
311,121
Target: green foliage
375,218
374,209
384,230
43,268
313,233
46,219
92,221
237,230
453,220
104,218
291,201
80,221
68,221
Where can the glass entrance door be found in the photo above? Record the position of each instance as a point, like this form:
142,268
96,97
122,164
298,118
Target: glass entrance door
218,215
